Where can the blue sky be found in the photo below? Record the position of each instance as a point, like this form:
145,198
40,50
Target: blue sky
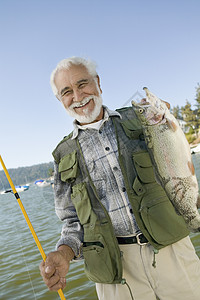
135,44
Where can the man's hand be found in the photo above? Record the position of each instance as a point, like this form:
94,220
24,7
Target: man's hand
56,267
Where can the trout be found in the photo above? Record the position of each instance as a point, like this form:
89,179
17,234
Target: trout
171,157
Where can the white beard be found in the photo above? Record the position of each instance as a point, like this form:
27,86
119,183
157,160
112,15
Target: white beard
88,117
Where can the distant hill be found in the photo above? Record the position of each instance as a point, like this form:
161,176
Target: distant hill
23,175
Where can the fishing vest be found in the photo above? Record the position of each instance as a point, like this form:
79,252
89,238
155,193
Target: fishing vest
153,211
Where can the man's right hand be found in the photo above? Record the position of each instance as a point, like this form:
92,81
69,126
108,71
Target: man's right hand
56,267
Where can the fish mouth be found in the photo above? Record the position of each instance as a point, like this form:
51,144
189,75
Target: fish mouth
134,104
143,103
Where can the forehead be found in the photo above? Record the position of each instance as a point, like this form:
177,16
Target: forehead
71,76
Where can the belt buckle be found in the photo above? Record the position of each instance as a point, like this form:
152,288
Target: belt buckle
138,240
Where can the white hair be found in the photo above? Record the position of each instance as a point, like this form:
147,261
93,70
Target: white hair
65,64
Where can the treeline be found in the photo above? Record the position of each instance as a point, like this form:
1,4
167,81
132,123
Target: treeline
24,175
189,115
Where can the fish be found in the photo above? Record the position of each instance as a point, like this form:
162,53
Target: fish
171,157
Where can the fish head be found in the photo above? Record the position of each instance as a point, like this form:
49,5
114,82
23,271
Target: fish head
159,105
151,110
146,113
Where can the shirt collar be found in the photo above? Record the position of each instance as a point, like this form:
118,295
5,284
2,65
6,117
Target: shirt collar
107,114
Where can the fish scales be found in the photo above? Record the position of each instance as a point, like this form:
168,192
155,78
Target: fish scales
171,157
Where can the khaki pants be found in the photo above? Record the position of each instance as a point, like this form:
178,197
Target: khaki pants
175,277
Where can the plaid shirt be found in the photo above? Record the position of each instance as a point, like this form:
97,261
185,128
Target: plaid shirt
99,146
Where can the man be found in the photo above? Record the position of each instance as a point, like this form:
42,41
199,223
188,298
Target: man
116,216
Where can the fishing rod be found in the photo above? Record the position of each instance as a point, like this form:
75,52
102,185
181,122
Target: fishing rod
60,292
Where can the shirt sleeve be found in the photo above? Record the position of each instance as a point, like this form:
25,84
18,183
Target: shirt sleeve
72,231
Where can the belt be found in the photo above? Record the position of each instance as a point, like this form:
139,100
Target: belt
137,239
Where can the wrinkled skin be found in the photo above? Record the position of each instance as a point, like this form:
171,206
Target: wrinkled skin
56,267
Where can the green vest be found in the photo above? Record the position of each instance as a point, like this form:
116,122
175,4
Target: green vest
153,211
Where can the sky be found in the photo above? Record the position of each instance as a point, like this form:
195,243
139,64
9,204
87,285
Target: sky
134,43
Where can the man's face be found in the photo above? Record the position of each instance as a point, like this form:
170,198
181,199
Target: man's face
80,93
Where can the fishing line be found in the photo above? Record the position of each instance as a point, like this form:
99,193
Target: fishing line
47,195
60,292
24,259
17,232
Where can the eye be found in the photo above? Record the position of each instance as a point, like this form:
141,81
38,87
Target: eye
141,110
82,85
66,93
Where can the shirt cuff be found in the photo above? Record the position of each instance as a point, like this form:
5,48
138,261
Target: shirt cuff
74,243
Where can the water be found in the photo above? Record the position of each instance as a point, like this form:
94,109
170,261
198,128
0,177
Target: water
20,257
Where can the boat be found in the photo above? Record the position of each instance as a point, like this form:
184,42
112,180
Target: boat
19,188
4,192
42,183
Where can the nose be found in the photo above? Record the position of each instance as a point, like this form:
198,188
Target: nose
77,96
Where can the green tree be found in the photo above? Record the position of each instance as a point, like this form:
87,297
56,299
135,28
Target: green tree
188,115
50,172
23,175
176,111
197,99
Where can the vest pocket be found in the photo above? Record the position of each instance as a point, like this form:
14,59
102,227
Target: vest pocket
68,166
161,219
132,128
98,264
144,167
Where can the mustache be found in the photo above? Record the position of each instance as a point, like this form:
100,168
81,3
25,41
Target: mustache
81,103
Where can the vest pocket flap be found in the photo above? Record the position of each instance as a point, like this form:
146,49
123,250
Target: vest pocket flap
144,167
68,166
133,124
132,128
142,159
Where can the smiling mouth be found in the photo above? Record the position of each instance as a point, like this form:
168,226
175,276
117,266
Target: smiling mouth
83,104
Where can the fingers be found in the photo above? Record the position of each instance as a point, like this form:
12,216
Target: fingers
144,101
46,270
53,281
42,268
60,284
49,270
54,270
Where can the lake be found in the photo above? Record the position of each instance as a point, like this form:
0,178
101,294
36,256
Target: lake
20,257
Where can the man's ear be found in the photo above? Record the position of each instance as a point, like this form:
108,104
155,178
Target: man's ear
98,82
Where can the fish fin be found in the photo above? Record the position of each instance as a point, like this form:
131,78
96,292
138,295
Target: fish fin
166,103
172,125
198,201
191,167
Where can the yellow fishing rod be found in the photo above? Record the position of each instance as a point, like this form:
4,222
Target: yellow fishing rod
60,292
